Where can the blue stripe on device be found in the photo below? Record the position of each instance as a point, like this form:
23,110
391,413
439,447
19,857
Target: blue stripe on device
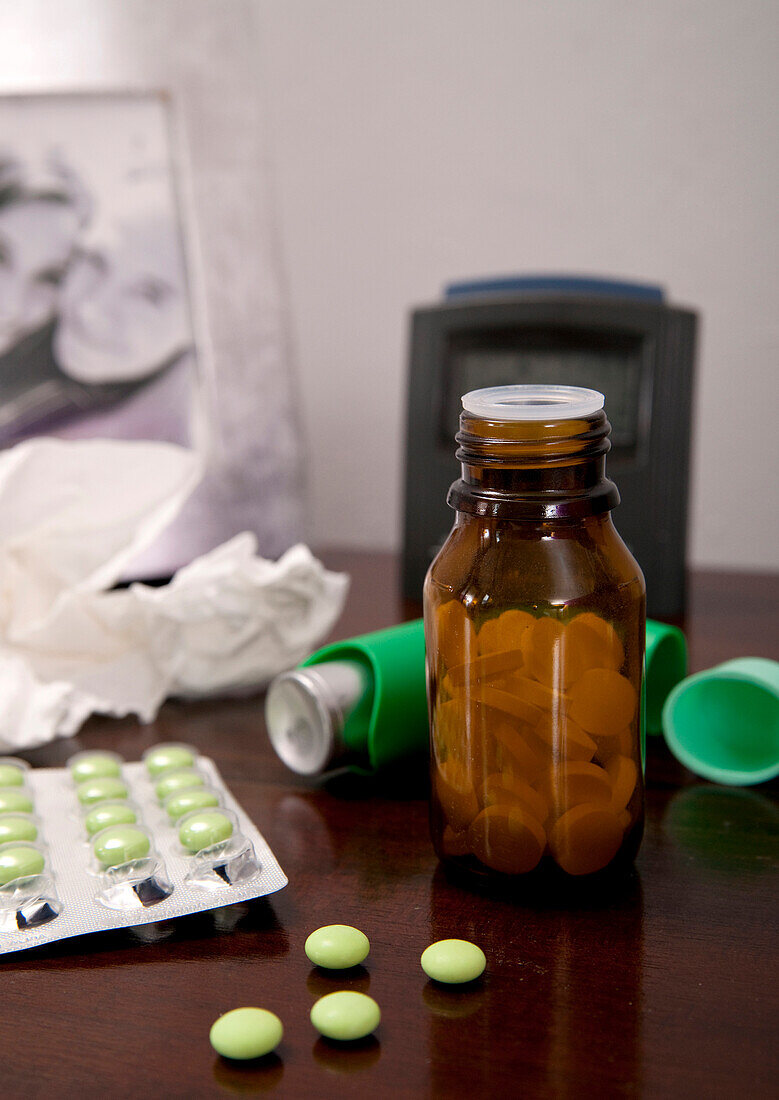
565,284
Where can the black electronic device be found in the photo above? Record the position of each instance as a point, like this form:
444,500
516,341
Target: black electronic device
622,339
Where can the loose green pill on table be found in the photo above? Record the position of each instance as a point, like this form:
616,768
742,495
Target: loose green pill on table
95,765
21,861
178,781
165,758
337,946
11,774
17,827
453,961
120,844
345,1015
109,813
13,800
204,829
246,1033
197,798
98,790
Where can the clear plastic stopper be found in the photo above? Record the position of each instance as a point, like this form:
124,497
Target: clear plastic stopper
533,402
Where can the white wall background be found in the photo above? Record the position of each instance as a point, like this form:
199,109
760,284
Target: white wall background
418,142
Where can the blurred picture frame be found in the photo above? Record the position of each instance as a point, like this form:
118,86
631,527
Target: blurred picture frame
96,334
147,298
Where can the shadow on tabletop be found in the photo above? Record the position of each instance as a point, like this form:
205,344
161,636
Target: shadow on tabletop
454,1002
255,1075
320,981
406,781
614,889
223,931
347,1057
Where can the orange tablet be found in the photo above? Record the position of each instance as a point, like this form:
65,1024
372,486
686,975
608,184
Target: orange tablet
602,702
507,839
585,839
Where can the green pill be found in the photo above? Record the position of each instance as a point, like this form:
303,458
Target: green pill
197,798
12,800
11,774
109,813
17,827
94,765
204,829
21,861
166,758
120,844
98,790
453,961
345,1015
337,946
178,781
246,1033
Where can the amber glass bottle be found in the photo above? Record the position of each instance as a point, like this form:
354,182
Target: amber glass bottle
534,628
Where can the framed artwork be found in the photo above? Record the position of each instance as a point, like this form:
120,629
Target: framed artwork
96,333
140,294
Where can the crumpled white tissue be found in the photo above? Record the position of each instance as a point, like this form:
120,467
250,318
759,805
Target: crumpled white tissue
73,515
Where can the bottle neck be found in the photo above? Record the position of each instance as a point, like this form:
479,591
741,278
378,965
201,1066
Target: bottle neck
533,470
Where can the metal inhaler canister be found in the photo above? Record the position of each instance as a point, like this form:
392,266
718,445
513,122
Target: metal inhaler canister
360,704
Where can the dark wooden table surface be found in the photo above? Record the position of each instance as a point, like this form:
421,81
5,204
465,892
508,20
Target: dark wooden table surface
665,986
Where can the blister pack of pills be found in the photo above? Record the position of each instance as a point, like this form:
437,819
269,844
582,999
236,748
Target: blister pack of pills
102,844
